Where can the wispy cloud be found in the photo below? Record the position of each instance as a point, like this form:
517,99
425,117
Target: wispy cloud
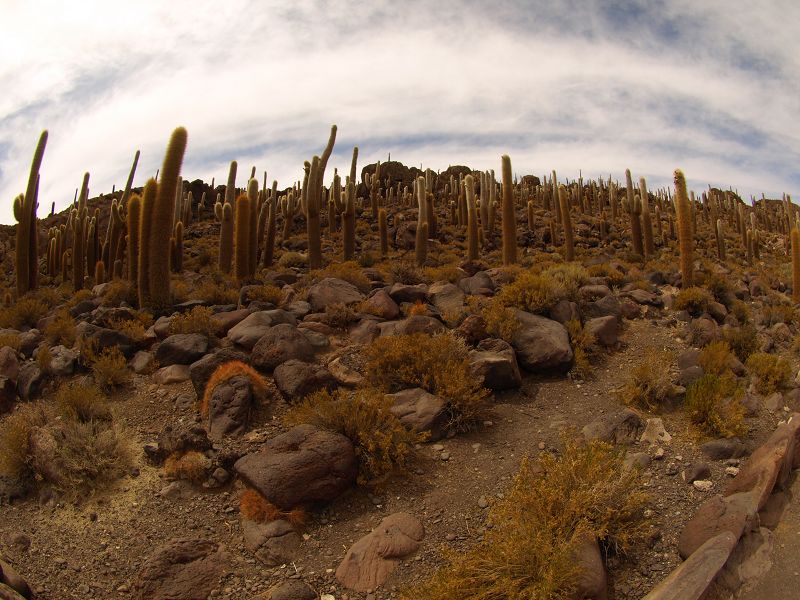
597,86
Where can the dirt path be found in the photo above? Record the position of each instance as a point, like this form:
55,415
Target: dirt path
95,549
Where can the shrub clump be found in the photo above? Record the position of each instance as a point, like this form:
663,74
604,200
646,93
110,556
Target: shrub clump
349,271
771,372
61,330
109,367
694,300
82,403
191,466
24,312
713,404
438,364
228,370
584,348
553,505
382,444
649,383
742,340
197,320
716,358
539,292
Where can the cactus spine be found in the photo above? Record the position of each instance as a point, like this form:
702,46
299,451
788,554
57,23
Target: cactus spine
509,216
566,221
685,242
162,216
25,212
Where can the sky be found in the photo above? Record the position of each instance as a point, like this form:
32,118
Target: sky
710,87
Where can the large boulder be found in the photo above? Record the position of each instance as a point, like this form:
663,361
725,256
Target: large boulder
604,329
181,349
541,344
624,426
413,324
401,292
332,291
302,466
370,561
9,363
446,297
296,379
381,305
182,569
253,327
420,411
496,363
279,344
230,406
274,543
102,337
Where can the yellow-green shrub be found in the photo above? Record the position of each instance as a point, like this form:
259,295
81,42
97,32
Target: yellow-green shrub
716,358
694,300
82,402
713,404
771,372
742,340
648,384
537,528
438,364
197,320
61,330
382,444
349,271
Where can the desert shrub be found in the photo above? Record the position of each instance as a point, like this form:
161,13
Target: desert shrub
584,348
61,330
648,384
771,372
438,364
118,291
228,370
266,293
254,507
694,300
366,259
349,271
501,321
418,308
615,276
133,328
43,357
339,316
403,271
534,293
78,297
713,405
108,366
12,340
742,340
190,466
24,312
293,259
716,358
720,288
772,314
382,444
15,431
451,273
553,504
82,402
741,311
217,288
197,320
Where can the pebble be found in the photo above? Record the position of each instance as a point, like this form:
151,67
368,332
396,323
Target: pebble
445,455
542,445
659,454
732,471
672,469
437,447
704,485
483,502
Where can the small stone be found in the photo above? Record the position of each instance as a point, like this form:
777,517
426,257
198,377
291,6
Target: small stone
450,537
659,454
542,445
445,455
483,502
732,471
437,447
672,469
704,485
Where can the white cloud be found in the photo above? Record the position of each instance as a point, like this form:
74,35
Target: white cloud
563,86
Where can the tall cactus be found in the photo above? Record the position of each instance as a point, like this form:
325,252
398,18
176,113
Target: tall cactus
349,219
224,214
252,252
145,231
472,218
242,237
421,246
566,221
685,241
80,218
25,212
163,207
134,223
269,242
795,235
314,202
383,232
509,215
647,221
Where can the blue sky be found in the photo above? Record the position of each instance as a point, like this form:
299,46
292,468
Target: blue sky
712,87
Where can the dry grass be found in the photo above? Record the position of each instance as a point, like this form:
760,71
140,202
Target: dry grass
119,291
714,406
15,431
82,403
648,384
43,358
438,364
24,312
12,340
109,367
743,341
339,316
694,300
225,372
266,293
197,320
771,373
715,358
254,507
349,271
529,552
61,330
383,445
584,348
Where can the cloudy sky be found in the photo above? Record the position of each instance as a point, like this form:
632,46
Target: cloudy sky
712,87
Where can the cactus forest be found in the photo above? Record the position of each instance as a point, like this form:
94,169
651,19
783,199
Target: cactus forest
393,382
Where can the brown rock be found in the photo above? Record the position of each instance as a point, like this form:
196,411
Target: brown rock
718,514
201,371
332,291
291,589
496,363
182,569
381,305
296,379
420,411
9,363
541,344
172,374
12,579
229,407
274,543
370,561
473,329
301,466
604,329
252,328
279,344
620,427
224,321
592,581
413,324
181,349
